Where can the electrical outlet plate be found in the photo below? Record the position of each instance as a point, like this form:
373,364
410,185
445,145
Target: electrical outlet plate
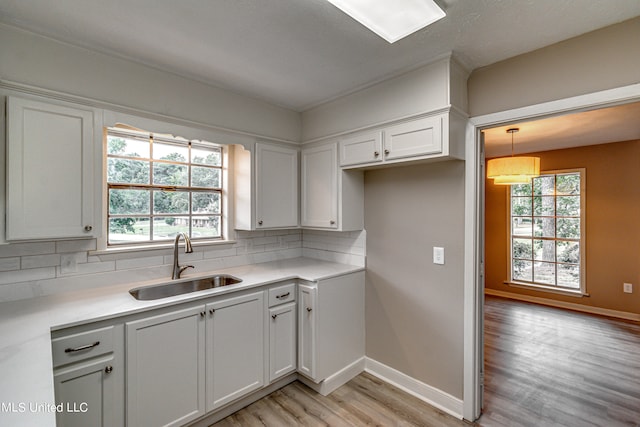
627,288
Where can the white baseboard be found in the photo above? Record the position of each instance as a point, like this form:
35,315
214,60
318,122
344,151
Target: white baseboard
568,305
336,380
433,396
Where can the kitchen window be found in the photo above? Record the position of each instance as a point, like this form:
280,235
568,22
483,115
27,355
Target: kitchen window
547,232
158,186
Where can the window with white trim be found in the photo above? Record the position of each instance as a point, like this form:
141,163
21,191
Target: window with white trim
158,186
547,231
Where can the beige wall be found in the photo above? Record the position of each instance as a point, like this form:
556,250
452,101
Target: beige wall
612,225
414,308
38,61
603,59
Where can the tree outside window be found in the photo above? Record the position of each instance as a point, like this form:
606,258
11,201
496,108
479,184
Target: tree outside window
160,186
547,218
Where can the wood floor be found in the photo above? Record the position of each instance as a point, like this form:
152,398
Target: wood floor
543,367
363,401
552,367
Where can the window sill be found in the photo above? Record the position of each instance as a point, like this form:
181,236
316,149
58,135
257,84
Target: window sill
578,293
157,246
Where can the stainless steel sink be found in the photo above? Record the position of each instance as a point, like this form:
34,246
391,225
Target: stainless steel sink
171,289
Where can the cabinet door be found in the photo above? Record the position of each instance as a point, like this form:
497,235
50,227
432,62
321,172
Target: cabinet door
307,330
166,368
282,340
50,171
276,184
235,348
415,138
320,187
361,148
86,391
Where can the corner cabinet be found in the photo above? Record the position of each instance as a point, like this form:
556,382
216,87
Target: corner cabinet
331,198
431,138
51,170
330,317
266,193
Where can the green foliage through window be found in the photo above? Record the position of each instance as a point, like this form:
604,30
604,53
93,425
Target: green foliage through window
160,186
546,231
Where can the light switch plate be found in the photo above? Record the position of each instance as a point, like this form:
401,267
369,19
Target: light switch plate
627,288
438,255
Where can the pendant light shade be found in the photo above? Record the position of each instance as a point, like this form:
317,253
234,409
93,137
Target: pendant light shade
513,170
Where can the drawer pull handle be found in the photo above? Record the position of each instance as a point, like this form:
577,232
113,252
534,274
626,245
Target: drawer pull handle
108,369
309,309
84,347
283,295
273,316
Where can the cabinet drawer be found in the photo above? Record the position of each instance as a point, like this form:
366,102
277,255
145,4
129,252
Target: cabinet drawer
83,345
282,294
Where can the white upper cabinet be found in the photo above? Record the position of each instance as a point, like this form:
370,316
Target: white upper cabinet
267,191
416,138
320,187
365,147
331,198
51,170
435,137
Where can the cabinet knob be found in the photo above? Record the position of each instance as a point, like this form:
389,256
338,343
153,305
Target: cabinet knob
260,222
202,313
108,369
332,222
88,228
309,309
273,316
211,311
386,151
376,154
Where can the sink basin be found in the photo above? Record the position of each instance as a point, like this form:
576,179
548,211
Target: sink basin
171,289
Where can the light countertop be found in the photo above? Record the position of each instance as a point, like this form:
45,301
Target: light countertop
26,369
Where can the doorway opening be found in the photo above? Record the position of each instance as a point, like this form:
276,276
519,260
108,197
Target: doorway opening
475,267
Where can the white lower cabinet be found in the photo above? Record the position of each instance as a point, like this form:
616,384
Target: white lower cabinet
330,325
186,362
235,348
88,376
307,330
87,392
166,368
282,340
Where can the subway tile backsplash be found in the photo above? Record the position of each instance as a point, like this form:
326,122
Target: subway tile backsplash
32,269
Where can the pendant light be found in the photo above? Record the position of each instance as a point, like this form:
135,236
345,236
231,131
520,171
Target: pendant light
513,170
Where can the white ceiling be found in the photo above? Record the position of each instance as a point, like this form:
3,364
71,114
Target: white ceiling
300,53
612,124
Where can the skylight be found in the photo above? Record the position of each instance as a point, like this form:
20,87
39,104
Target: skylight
392,19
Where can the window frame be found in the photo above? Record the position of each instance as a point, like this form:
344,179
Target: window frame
224,191
581,291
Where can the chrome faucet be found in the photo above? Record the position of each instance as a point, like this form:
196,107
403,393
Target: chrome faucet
177,269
